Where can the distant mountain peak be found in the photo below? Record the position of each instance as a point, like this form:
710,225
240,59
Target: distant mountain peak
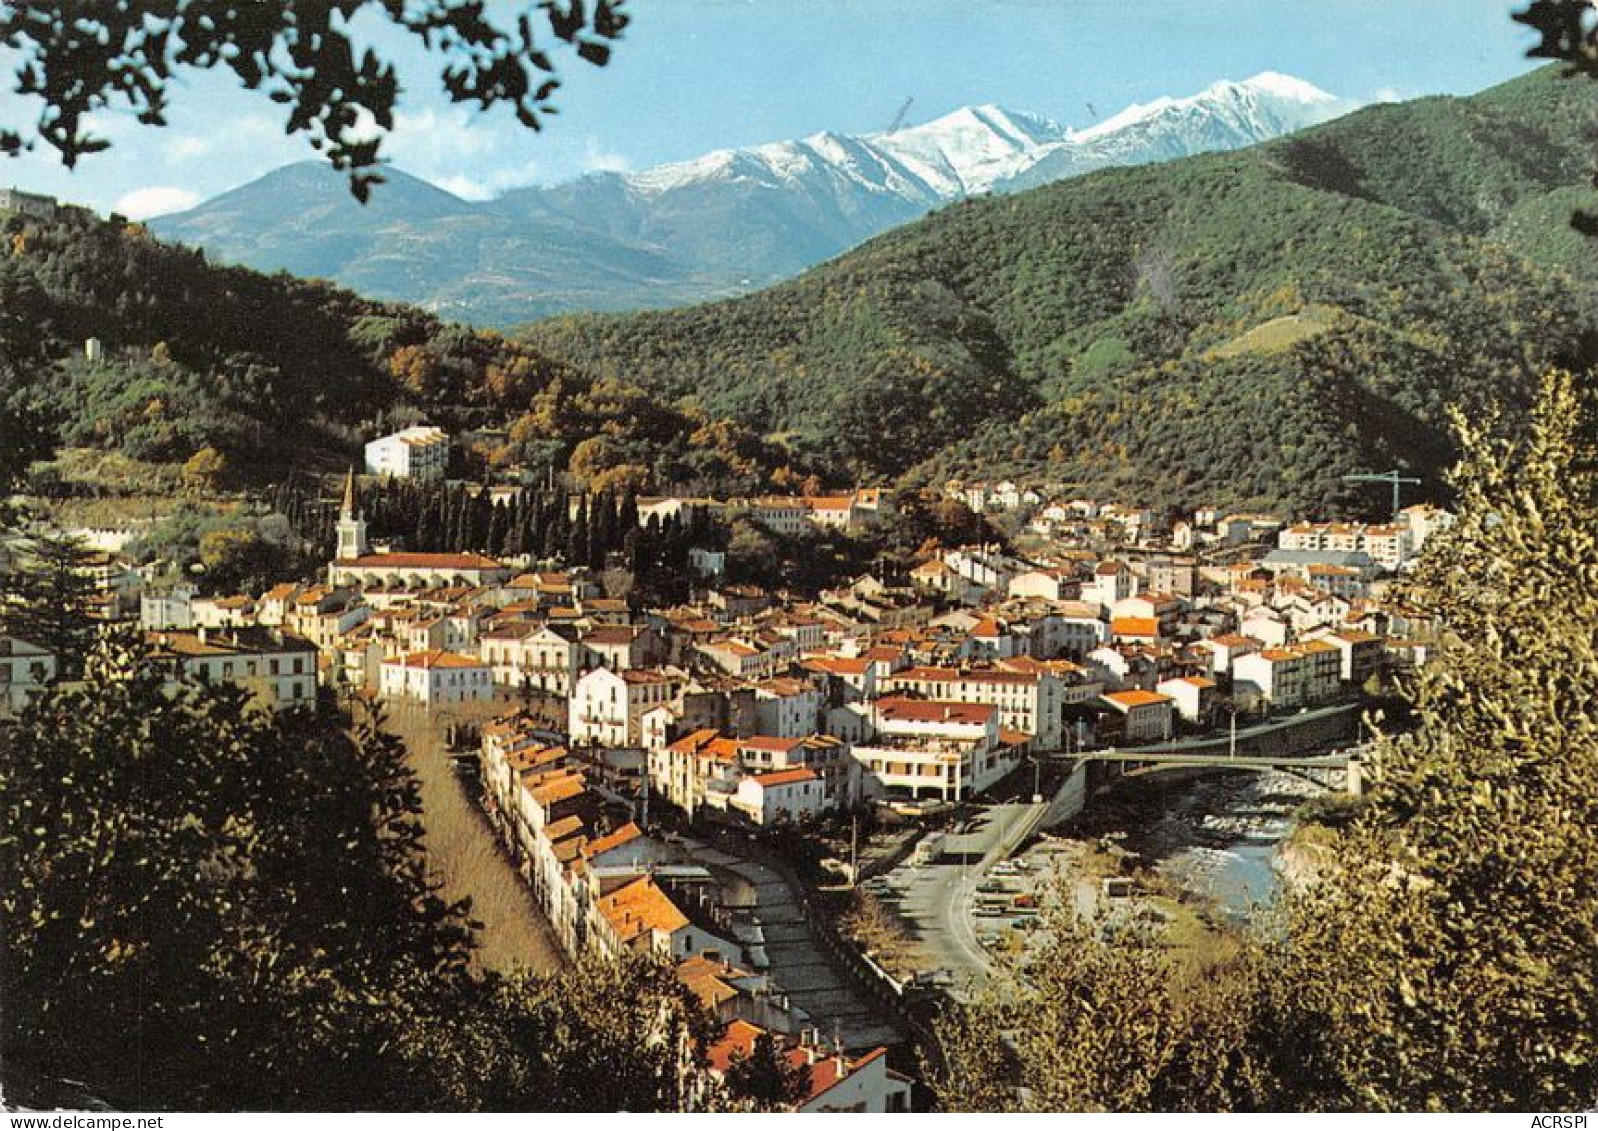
1289,88
721,223
1298,103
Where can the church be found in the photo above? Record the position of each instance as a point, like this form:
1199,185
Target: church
398,573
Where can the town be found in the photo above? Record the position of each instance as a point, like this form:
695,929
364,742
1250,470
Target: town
726,781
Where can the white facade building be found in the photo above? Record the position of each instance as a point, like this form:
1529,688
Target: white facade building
436,679
607,707
421,452
25,670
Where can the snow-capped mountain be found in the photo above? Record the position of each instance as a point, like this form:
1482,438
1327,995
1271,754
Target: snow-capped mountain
988,148
1229,115
968,151
717,225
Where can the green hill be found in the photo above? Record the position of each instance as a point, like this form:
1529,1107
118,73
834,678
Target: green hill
1242,328
281,375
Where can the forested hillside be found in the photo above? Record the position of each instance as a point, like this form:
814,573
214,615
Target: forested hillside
1242,328
274,374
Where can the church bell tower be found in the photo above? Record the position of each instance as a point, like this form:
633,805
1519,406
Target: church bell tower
351,526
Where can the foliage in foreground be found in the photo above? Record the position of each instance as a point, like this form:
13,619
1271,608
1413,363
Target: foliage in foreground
204,907
1450,961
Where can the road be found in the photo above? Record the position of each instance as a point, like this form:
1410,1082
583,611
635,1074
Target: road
465,856
935,899
776,925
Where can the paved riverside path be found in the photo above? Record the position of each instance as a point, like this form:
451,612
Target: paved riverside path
799,961
934,899
465,855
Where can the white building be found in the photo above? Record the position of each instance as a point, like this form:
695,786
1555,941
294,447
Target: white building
436,679
420,452
1192,695
1290,677
607,707
25,670
170,609
1146,715
1031,702
1389,545
533,656
787,708
277,668
783,795
936,749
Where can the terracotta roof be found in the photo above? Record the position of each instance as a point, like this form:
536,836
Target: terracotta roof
613,634
837,665
562,788
612,840
563,828
935,711
645,675
440,659
785,777
1136,698
641,906
950,675
767,742
420,561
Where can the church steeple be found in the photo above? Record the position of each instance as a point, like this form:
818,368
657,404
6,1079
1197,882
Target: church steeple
351,526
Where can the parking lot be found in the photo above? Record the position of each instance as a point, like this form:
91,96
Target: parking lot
938,892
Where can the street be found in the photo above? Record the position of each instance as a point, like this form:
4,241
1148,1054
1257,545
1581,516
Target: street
464,854
934,899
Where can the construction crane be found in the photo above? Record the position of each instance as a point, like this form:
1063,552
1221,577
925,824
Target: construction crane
898,119
1395,477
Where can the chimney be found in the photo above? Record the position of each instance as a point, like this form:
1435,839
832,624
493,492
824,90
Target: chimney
201,633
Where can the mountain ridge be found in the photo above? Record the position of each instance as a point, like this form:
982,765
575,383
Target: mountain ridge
717,225
1242,327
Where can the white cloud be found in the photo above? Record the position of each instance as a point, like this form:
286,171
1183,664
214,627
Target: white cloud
465,187
598,159
155,200
185,147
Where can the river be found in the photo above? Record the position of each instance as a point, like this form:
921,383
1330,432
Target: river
1217,837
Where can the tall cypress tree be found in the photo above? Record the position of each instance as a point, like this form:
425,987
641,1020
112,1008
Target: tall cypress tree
577,539
47,598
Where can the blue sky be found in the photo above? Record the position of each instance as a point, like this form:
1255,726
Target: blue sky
697,75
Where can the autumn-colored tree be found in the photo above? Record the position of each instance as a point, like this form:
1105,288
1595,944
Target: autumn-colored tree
1450,962
1447,960
416,369
206,469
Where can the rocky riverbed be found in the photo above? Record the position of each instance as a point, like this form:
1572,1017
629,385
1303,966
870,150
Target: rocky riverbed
1217,838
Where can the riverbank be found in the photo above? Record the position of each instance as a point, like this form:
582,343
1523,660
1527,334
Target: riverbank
466,858
1214,841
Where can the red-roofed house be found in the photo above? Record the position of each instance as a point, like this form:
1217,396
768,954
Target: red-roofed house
933,748
835,1083
1145,715
1193,695
784,795
436,678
